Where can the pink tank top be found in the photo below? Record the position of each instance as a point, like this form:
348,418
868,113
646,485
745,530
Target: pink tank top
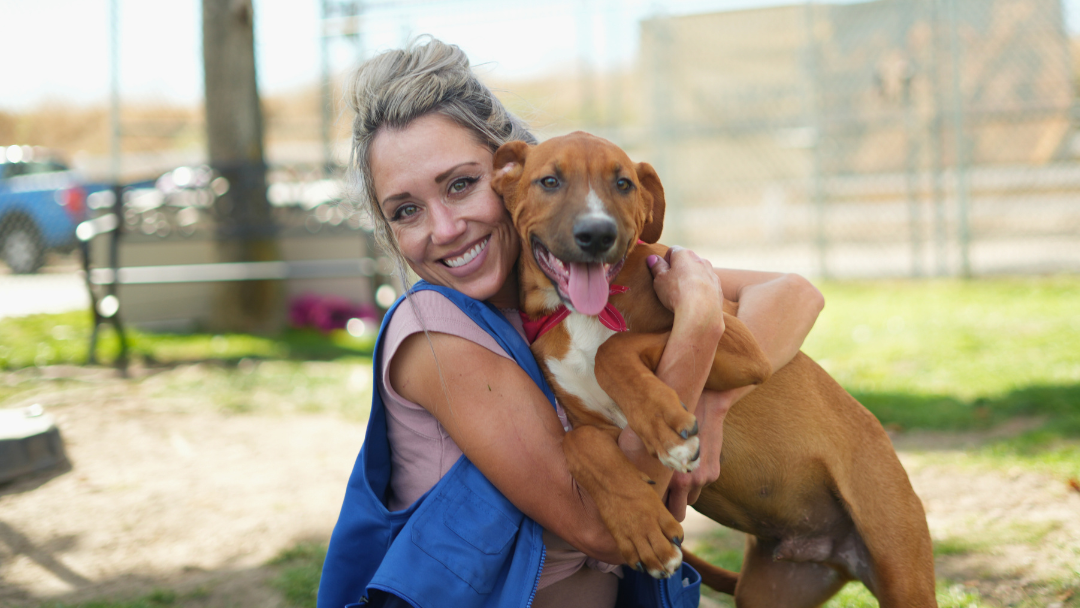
421,451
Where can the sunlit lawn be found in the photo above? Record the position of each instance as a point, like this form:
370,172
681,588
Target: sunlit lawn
944,355
296,371
38,340
956,356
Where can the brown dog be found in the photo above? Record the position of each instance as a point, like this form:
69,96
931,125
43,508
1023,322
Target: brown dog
807,473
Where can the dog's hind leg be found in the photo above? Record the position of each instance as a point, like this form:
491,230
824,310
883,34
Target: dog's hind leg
891,525
871,483
765,582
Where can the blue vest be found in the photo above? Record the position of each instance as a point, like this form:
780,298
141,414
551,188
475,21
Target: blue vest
462,544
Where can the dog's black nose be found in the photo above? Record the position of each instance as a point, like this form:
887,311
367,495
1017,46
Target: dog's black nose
595,235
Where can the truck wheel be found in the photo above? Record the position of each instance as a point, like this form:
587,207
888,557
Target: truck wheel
22,250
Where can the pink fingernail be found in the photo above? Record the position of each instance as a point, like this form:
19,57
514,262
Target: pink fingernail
652,260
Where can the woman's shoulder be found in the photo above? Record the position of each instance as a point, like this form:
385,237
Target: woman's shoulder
429,310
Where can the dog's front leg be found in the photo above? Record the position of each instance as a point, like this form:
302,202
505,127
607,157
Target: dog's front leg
625,369
647,535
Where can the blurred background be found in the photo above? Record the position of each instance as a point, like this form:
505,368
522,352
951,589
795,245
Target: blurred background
180,166
855,139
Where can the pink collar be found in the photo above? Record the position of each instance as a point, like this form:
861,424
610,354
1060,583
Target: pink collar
610,317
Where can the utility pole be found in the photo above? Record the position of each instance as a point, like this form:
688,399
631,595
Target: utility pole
234,132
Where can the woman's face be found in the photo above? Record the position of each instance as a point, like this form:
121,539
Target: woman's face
433,183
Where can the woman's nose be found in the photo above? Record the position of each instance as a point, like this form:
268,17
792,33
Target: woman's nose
446,225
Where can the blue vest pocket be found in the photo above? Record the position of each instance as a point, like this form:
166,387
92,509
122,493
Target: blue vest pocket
472,539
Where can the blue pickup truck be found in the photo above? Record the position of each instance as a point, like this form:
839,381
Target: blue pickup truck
41,203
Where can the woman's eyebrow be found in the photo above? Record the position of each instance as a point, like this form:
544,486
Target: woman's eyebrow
445,174
393,199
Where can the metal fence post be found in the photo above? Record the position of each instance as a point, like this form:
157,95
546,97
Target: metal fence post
937,155
817,185
911,166
667,127
960,138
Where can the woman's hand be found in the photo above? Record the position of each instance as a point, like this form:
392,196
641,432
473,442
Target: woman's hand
778,308
688,286
685,488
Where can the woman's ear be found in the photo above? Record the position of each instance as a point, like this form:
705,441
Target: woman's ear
653,189
509,164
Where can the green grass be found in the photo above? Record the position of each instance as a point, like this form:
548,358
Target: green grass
158,598
724,548
247,386
936,355
39,340
993,536
297,572
971,349
854,595
950,355
301,567
266,387
296,371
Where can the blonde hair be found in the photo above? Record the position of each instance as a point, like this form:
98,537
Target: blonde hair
394,88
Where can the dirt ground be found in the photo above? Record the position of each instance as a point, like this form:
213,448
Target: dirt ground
165,494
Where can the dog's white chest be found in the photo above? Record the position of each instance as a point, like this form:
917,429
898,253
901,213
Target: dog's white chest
575,372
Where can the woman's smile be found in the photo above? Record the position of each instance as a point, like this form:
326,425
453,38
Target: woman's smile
460,262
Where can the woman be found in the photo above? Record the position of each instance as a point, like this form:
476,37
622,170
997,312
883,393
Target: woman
453,378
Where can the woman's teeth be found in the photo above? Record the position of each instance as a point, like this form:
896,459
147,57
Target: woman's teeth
468,256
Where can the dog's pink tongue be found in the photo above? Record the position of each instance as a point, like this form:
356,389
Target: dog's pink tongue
588,288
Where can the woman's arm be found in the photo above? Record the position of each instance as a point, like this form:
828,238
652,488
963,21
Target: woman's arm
687,285
779,309
506,426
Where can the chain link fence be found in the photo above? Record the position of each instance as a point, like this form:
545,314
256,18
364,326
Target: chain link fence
886,138
881,138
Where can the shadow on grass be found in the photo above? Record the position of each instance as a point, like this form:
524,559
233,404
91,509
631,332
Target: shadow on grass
289,580
1058,406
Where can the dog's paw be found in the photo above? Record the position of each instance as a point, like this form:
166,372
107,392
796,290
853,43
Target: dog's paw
683,457
673,440
670,567
651,541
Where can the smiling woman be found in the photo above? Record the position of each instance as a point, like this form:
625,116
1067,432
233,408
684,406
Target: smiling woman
462,494
433,184
424,139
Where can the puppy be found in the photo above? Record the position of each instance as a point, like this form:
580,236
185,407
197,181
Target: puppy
807,472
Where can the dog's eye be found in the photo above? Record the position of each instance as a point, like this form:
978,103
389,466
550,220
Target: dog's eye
550,182
623,184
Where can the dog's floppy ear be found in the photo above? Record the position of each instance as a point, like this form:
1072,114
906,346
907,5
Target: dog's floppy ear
508,164
654,222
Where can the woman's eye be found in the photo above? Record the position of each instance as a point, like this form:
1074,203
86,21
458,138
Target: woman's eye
550,182
460,185
623,184
403,212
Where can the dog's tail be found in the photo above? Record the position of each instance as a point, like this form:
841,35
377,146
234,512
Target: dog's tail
712,576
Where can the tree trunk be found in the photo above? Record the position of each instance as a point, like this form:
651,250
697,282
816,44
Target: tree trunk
245,231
